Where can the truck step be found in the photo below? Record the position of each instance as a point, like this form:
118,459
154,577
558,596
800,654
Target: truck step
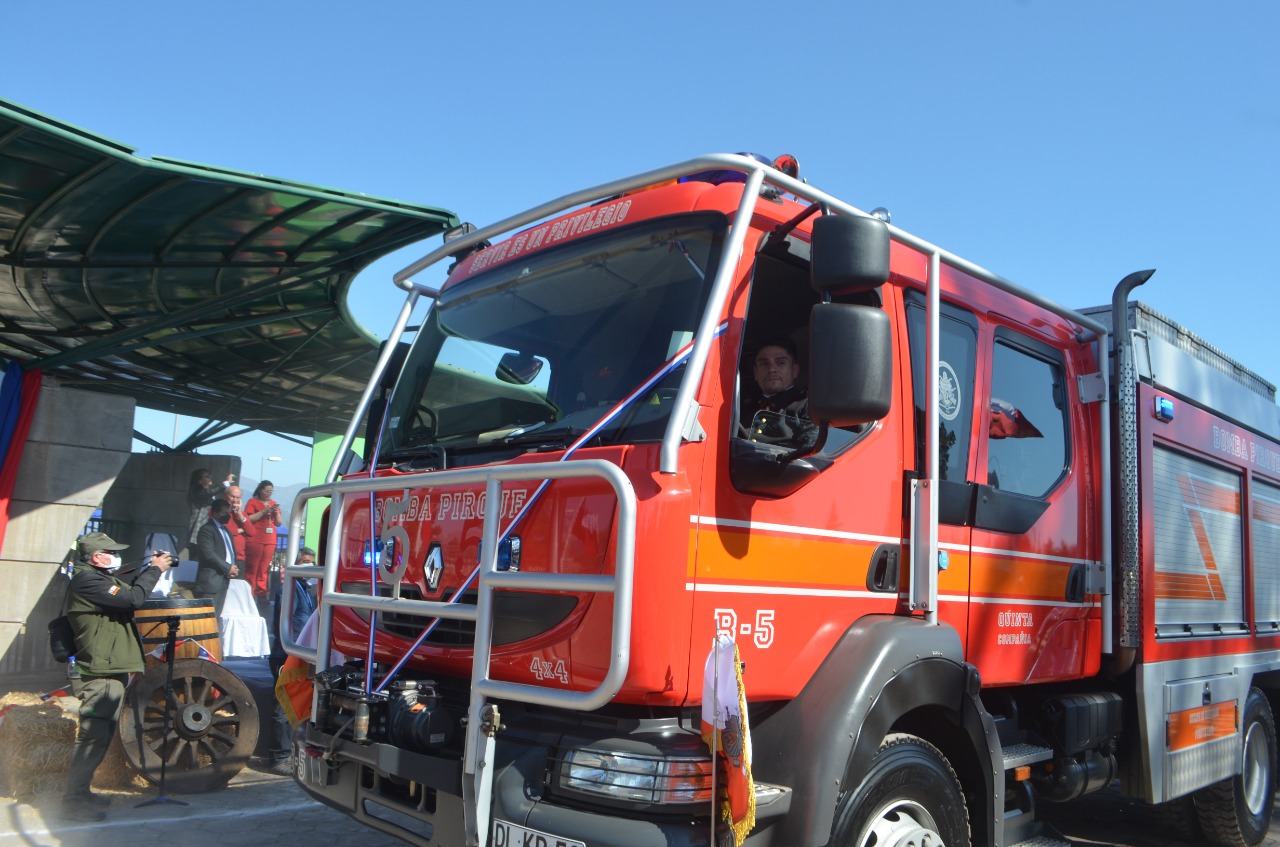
1043,841
772,801
1017,755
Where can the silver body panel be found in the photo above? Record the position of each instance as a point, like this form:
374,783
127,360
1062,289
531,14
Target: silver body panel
1172,357
1167,687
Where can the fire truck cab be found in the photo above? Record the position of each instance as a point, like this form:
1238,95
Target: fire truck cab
990,552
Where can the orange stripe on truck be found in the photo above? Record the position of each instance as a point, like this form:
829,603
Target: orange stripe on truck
1186,586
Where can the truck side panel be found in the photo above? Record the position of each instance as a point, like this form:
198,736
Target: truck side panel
1208,534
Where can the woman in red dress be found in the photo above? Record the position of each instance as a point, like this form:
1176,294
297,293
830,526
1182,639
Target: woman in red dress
264,514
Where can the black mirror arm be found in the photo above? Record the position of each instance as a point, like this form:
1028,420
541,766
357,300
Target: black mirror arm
801,452
782,230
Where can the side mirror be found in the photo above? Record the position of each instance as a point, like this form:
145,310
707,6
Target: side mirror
850,364
849,253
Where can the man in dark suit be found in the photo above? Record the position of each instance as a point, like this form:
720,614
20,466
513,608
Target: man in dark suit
216,554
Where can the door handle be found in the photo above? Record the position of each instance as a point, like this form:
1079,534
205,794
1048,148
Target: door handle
884,572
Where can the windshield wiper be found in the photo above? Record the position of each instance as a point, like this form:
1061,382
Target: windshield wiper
560,436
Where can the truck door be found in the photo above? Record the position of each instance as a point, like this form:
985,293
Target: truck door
957,367
1028,610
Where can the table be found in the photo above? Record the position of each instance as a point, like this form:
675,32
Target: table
244,631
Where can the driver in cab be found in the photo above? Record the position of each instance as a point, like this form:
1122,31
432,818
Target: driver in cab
776,410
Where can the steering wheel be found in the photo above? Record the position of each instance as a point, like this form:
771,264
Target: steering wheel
423,423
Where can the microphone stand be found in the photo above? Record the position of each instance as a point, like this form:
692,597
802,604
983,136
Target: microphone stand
171,647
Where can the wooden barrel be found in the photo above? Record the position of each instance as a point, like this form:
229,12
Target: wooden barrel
197,623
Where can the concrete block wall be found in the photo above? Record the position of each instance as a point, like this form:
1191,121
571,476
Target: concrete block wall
78,442
150,495
77,458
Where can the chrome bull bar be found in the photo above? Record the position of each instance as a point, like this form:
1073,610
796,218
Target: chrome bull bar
619,583
482,719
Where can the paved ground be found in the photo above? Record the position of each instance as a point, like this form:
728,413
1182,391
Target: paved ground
254,809
258,808
263,809
1106,819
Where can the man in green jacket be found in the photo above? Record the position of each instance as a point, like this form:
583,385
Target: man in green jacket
100,607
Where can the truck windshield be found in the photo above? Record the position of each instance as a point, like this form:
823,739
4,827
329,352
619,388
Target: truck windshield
531,354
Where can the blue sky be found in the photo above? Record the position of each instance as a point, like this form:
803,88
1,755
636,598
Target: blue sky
1061,145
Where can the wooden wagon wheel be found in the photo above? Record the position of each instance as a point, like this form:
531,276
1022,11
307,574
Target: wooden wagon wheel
213,725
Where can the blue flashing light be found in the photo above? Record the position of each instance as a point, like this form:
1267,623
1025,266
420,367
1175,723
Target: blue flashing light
508,553
1164,409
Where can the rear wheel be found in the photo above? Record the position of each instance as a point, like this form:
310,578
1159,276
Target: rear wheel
909,798
1237,811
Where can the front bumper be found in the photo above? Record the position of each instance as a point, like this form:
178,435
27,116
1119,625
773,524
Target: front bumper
418,798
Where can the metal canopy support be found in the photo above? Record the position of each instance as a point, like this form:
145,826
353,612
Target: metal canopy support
262,376
201,311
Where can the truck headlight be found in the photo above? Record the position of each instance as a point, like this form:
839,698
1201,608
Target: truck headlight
636,778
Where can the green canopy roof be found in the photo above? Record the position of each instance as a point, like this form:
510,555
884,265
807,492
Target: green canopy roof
191,288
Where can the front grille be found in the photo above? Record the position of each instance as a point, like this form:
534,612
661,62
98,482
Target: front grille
448,633
517,616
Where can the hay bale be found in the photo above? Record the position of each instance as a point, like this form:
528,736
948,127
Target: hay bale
35,745
36,739
116,772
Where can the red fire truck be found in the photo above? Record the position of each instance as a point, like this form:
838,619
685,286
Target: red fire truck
996,552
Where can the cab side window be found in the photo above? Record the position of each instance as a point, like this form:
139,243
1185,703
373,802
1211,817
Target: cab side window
957,356
1028,451
770,399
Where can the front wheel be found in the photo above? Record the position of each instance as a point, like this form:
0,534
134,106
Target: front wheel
910,796
1237,811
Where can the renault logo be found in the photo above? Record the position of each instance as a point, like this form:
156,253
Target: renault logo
433,567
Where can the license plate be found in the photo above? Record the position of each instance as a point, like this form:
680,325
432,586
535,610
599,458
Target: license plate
314,771
506,834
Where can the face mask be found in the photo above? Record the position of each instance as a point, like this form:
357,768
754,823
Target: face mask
114,565
224,519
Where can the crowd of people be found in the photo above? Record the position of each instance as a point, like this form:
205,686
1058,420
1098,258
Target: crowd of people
229,539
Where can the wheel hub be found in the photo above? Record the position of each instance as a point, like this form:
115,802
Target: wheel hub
1256,767
195,720
902,824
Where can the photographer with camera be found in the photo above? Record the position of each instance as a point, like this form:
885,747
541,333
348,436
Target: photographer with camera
264,515
201,492
100,607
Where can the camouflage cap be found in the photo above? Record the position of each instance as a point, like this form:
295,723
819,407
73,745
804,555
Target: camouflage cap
95,541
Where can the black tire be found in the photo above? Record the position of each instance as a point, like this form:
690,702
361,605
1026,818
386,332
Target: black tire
910,795
1179,818
1237,811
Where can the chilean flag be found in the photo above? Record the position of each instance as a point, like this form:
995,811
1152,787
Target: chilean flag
163,655
18,394
726,731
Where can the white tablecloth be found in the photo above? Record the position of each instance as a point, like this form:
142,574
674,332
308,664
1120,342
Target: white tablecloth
244,631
